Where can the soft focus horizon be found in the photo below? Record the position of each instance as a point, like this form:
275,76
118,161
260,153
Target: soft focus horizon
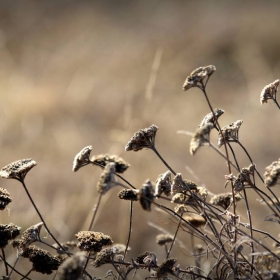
79,73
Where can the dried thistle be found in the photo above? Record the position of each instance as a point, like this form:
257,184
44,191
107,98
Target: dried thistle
144,138
106,255
180,185
209,118
166,267
92,241
8,232
72,267
224,199
5,198
103,160
146,195
82,158
17,169
272,173
269,92
43,261
197,76
107,178
128,194
163,184
201,137
163,239
230,133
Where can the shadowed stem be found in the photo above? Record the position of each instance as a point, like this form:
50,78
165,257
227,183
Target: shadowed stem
39,214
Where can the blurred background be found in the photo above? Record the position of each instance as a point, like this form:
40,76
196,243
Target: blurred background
78,73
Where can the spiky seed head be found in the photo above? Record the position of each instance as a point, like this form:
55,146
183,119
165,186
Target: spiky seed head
197,76
128,194
17,169
272,173
269,92
104,159
5,198
8,232
82,158
42,260
201,137
72,267
143,138
92,241
230,133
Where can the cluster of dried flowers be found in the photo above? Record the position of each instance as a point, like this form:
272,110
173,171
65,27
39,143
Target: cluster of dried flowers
211,218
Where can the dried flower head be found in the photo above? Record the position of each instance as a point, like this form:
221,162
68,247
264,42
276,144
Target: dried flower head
121,248
272,173
230,133
92,241
197,76
43,261
181,209
82,158
29,236
163,239
194,219
128,194
17,169
8,232
146,195
107,178
144,138
103,160
163,184
209,118
166,267
5,198
224,199
201,137
106,255
72,267
179,198
180,185
269,92
238,184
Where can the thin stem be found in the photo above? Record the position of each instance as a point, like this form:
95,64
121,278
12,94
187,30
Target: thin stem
41,217
275,100
25,276
130,228
96,206
4,261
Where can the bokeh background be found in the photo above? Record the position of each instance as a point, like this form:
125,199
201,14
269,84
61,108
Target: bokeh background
78,73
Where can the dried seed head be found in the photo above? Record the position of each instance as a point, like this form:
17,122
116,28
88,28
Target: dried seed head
107,178
82,158
269,92
272,173
163,239
202,192
92,241
224,199
238,184
5,198
103,160
209,118
106,255
180,185
195,219
198,75
144,138
146,195
201,137
43,261
29,236
72,267
179,198
163,184
166,267
181,209
121,248
17,169
230,133
66,246
8,232
128,194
